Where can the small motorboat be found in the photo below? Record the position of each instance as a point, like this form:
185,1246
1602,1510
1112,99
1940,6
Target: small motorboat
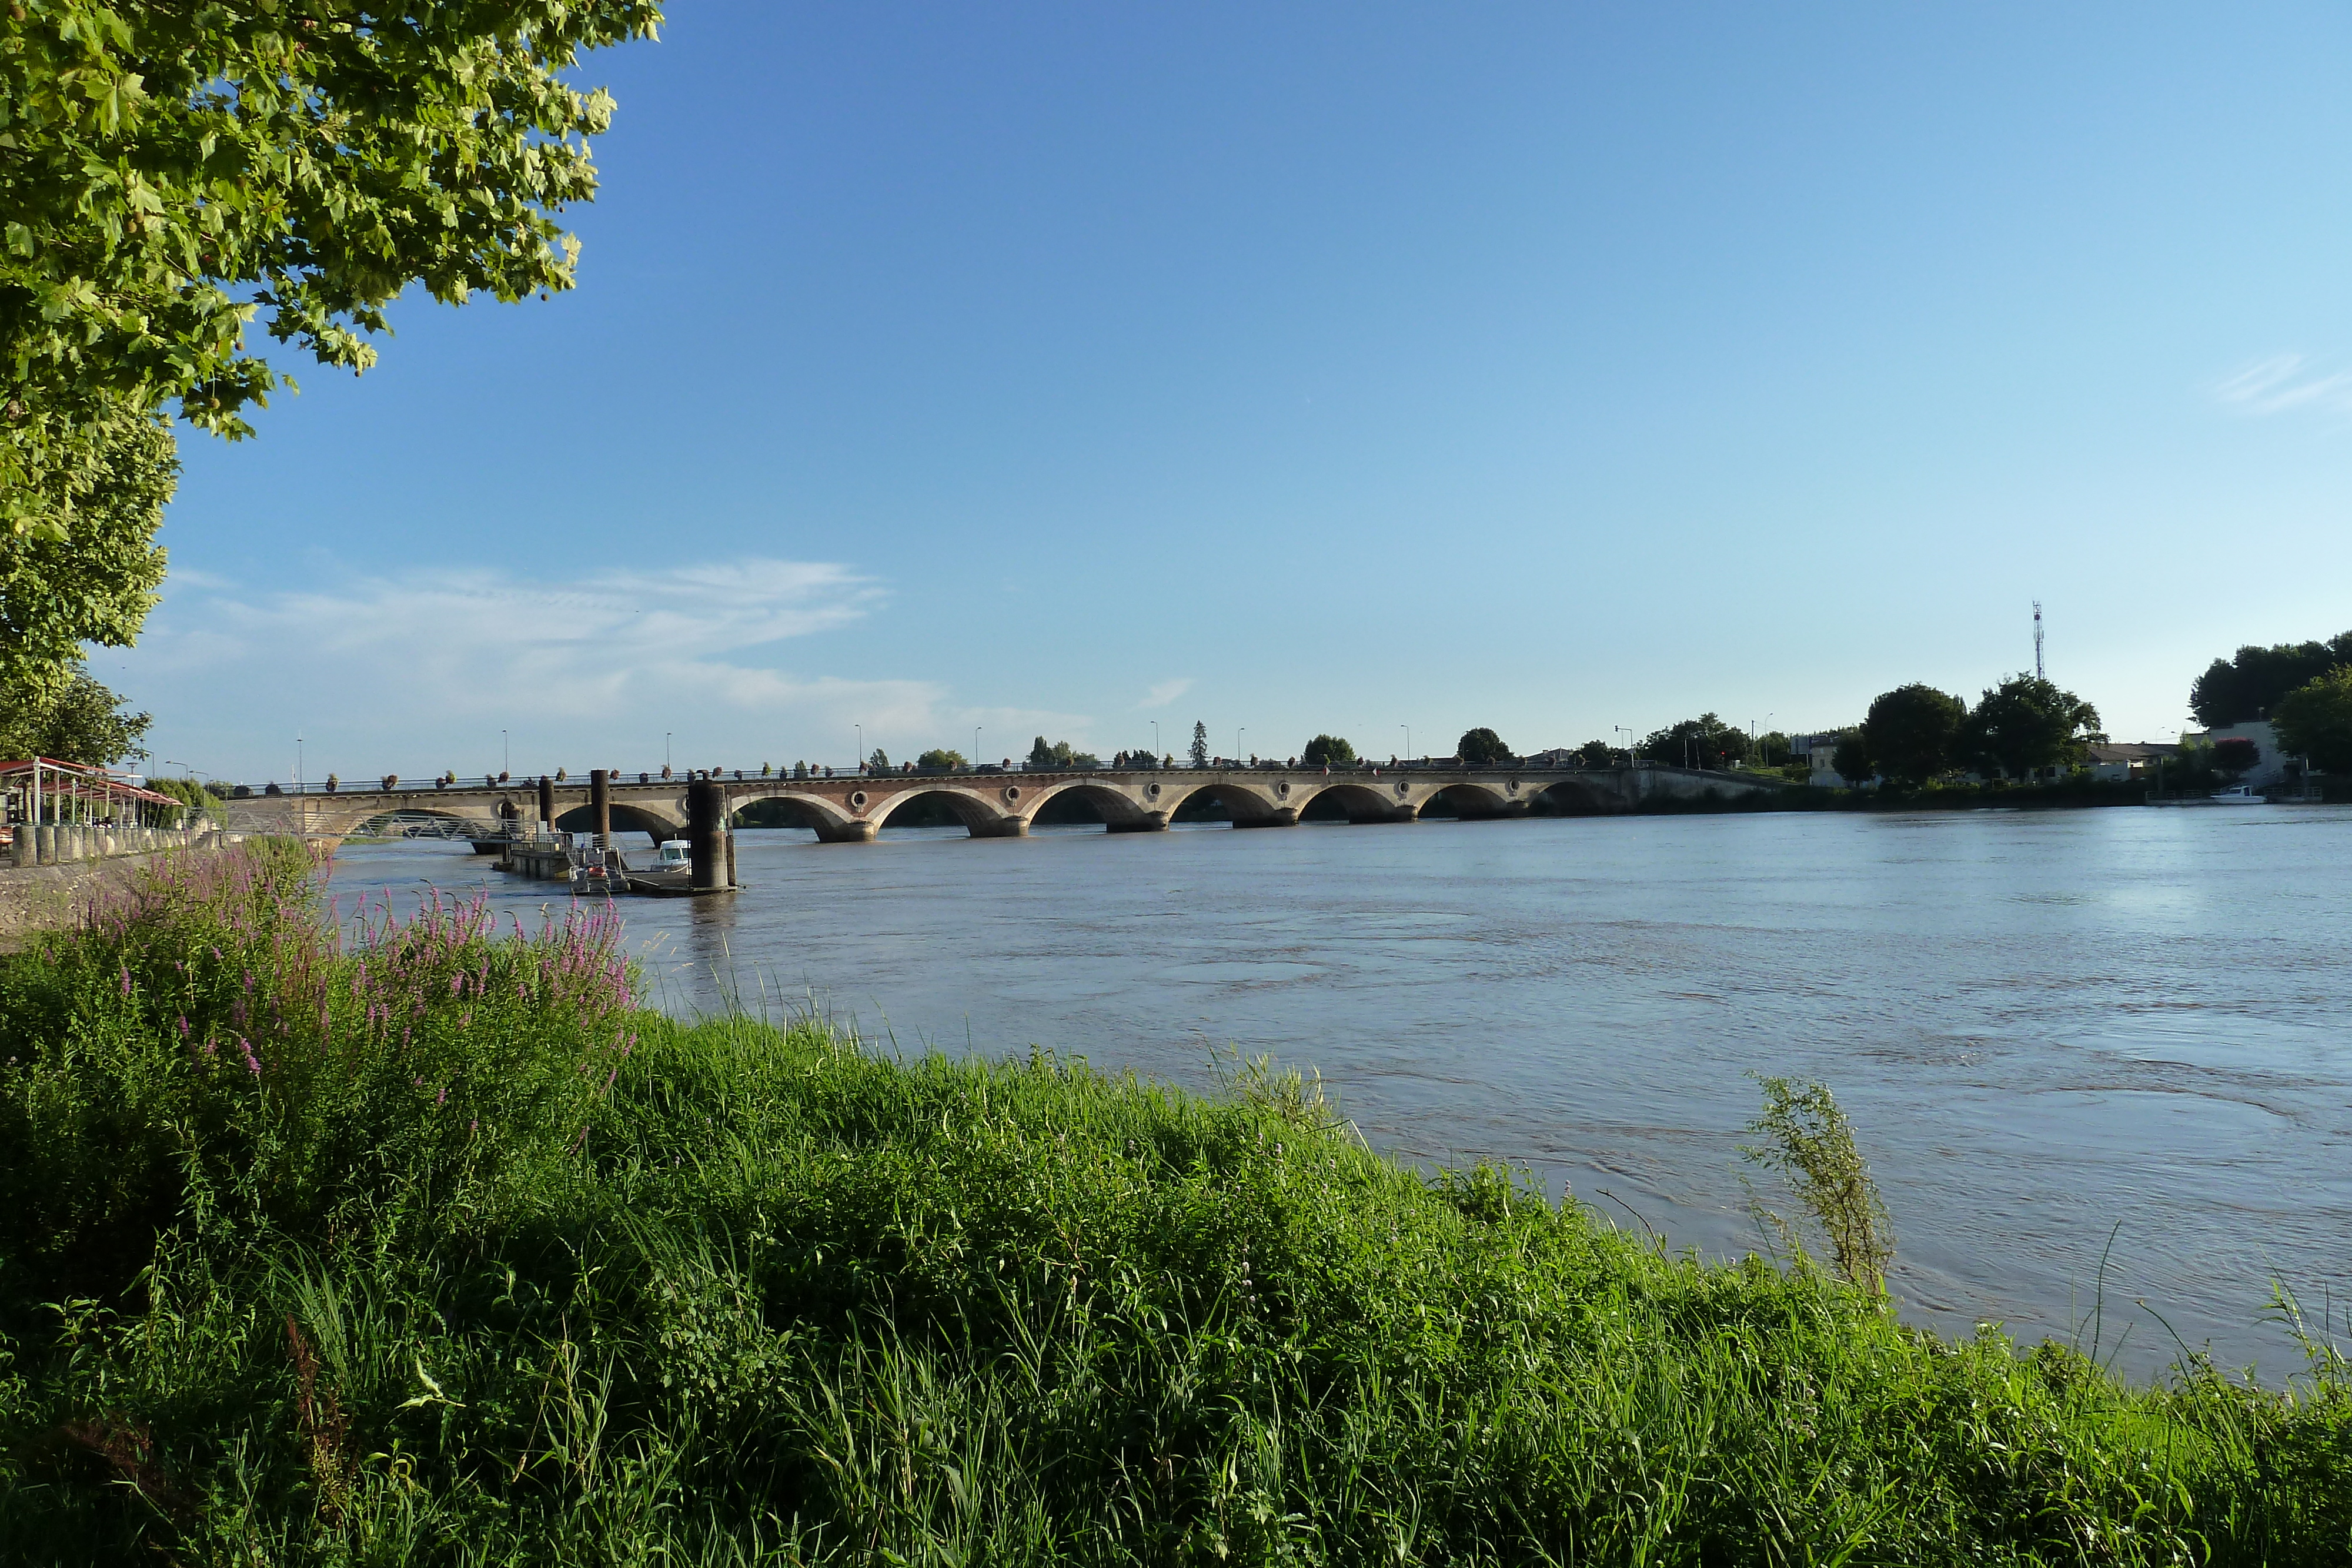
672,870
2238,795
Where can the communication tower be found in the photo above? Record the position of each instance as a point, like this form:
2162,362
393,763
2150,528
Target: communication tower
2037,640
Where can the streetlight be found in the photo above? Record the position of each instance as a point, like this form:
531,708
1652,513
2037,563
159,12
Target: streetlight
1239,730
1408,740
1155,743
506,755
861,745
975,745
298,765
1628,742
665,758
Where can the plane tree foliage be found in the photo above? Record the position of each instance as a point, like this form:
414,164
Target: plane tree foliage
940,757
2251,684
1328,750
1706,741
2025,724
75,719
1912,733
1482,746
1045,757
174,174
94,582
2315,721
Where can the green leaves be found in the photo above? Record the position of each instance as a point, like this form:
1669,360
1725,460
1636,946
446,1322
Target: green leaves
171,174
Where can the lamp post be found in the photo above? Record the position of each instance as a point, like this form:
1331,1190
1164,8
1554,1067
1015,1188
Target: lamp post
1408,740
861,745
975,745
1628,734
506,755
1239,730
1155,743
298,765
665,758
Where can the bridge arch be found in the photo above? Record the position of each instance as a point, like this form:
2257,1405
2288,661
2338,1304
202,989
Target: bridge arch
1117,810
776,811
814,810
466,824
1470,802
979,818
1575,797
1249,804
627,819
1357,800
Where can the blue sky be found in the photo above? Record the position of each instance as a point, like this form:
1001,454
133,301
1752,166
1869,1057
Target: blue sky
1319,367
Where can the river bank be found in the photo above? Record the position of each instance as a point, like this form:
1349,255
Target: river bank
2052,1028
37,898
435,1248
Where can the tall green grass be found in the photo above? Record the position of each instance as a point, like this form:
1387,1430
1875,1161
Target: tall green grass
473,1262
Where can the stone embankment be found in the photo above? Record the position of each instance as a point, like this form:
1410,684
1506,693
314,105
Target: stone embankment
44,891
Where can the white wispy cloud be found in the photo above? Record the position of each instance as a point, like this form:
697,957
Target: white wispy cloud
2283,384
1166,692
410,671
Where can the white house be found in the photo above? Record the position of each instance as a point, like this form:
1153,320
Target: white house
2270,762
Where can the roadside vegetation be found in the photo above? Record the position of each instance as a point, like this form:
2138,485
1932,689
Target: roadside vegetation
427,1245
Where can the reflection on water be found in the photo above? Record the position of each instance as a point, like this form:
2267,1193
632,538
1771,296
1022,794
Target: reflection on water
2047,1027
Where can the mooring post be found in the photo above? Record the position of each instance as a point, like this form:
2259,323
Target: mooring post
546,804
600,804
706,836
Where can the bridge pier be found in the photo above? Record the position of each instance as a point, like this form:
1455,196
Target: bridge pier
856,831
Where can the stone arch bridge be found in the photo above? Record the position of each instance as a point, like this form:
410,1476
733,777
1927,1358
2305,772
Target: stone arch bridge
852,808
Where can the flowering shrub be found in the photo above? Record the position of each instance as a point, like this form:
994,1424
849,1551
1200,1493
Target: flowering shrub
214,1042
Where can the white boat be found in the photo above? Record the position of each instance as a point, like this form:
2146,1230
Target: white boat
675,854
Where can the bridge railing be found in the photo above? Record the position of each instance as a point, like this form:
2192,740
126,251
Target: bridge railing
400,784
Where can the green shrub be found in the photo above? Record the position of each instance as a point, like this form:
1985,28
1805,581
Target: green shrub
750,1294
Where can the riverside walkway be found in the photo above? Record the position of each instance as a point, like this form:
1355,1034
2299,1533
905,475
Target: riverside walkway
853,807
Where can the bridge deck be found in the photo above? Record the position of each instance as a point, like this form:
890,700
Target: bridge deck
853,807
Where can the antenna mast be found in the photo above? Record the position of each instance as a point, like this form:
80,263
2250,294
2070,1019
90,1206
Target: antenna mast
2037,640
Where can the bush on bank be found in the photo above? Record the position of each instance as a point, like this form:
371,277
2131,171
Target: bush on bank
427,1247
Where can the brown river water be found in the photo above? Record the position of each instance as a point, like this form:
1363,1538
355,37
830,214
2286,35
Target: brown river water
2059,1035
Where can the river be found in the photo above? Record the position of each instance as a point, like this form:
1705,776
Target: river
2048,1029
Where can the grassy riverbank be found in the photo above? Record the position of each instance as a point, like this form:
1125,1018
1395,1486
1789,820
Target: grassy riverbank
434,1248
